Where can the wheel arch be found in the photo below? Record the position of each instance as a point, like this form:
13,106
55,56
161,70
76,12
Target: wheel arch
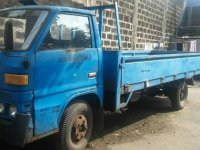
94,102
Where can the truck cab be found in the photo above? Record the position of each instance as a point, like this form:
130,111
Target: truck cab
50,57
55,78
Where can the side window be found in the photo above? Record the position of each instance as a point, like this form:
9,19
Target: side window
68,32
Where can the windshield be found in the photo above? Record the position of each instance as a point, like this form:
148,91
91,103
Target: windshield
26,24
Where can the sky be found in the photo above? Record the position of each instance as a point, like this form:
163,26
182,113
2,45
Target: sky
193,2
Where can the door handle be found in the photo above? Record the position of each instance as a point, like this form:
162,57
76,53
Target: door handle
92,75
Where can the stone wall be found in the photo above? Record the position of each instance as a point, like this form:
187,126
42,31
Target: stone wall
126,14
156,22
143,22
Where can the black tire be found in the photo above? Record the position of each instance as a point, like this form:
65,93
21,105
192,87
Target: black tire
76,127
178,96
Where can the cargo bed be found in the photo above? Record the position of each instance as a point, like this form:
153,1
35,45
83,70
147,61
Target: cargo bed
129,71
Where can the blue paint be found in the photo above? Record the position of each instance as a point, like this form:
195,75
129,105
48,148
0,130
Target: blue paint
58,77
136,69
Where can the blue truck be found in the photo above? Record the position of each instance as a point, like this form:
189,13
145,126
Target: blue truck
57,80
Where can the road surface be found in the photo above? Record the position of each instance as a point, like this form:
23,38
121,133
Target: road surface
150,124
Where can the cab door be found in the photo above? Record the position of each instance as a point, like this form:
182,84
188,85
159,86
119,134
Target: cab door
66,64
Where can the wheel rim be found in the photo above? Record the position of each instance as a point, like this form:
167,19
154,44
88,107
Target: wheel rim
79,128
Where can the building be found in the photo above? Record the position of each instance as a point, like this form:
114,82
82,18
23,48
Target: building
144,23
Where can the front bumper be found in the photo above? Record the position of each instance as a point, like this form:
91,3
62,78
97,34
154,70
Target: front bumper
15,132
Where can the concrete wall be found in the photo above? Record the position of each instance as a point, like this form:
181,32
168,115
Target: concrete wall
143,22
156,21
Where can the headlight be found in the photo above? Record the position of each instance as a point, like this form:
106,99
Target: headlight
2,108
13,110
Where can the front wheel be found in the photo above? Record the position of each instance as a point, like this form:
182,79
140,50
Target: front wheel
178,96
76,127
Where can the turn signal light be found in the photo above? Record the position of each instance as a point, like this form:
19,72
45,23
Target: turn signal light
16,79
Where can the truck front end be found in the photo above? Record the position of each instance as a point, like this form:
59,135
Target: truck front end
18,29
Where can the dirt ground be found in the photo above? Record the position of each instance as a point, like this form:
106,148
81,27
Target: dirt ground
150,124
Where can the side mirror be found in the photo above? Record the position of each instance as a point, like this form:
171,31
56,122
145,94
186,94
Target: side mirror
8,36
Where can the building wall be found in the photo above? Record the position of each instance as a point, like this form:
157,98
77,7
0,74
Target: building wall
156,21
143,22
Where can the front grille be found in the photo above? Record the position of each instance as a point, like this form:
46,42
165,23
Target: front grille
4,96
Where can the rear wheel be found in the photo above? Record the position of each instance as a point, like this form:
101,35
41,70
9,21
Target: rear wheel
178,96
76,127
